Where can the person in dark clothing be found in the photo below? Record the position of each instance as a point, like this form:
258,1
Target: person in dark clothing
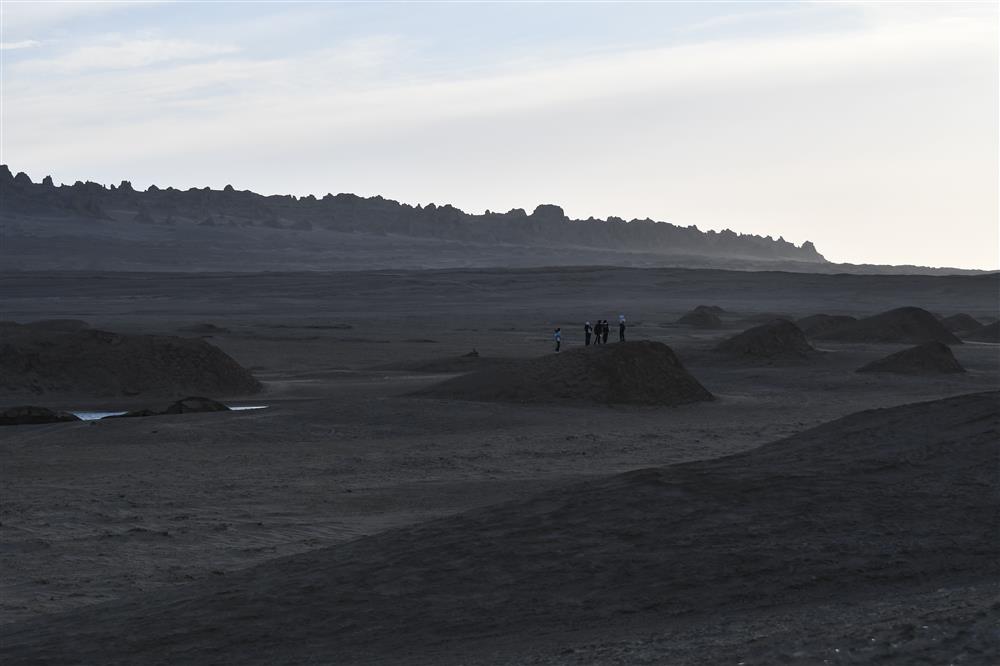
621,329
605,329
557,336
587,331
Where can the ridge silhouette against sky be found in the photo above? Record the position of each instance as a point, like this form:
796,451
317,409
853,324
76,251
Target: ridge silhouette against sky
869,128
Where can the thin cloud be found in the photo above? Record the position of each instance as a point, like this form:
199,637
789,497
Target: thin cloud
126,54
16,46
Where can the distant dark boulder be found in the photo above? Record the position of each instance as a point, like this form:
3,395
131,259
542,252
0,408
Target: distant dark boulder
775,340
929,358
29,414
701,318
902,325
988,333
714,309
819,324
96,363
961,323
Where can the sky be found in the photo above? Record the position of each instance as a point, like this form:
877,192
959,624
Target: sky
869,128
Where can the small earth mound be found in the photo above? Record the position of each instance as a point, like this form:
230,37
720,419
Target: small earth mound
714,309
59,324
930,358
818,324
189,405
701,318
642,373
903,325
774,340
764,318
988,333
204,329
30,414
961,322
102,364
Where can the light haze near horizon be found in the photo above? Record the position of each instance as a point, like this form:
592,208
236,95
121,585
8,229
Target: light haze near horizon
870,129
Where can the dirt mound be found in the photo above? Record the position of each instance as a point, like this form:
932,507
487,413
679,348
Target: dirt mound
764,318
988,333
29,414
904,325
59,324
930,358
961,322
777,339
204,329
643,372
818,324
189,405
102,364
701,317
878,504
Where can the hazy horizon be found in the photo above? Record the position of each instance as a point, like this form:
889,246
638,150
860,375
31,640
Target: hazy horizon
869,129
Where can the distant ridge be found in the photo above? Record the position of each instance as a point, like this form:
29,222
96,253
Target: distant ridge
88,226
547,226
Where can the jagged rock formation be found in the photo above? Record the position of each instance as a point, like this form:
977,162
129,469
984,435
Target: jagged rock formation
929,358
819,324
703,316
210,211
102,364
30,414
903,325
642,372
777,339
988,333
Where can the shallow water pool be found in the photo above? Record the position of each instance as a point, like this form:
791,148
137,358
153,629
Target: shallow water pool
96,416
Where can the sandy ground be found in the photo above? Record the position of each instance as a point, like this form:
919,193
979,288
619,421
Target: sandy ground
97,512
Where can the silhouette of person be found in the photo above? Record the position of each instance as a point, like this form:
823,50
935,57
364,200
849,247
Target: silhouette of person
587,331
605,329
621,328
557,336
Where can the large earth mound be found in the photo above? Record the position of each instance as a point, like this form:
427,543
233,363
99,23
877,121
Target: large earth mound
777,339
903,325
642,372
930,358
701,317
819,324
988,333
30,414
102,364
961,322
870,507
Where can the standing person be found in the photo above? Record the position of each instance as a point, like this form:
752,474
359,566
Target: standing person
557,336
587,331
621,328
605,329
597,332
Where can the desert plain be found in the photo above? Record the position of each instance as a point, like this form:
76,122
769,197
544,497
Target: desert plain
808,514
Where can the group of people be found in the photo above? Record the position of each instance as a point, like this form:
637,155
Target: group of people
597,332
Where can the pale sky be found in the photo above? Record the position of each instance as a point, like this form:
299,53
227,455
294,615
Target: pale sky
868,128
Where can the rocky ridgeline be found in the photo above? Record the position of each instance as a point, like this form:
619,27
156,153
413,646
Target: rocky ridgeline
546,225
